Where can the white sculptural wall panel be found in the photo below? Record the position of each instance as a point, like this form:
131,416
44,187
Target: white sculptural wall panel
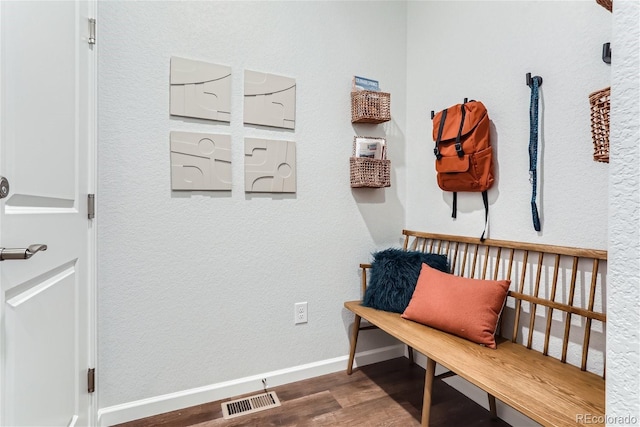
269,100
269,165
200,90
200,161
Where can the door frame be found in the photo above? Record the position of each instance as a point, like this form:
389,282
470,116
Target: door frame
92,258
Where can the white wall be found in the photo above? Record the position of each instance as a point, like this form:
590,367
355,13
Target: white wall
623,316
482,50
198,288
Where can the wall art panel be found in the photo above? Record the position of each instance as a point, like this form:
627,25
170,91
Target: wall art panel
200,161
269,166
200,90
269,100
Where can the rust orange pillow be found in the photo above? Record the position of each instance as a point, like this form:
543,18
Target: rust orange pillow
468,308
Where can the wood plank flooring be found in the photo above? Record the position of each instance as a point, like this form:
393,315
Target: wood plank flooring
383,394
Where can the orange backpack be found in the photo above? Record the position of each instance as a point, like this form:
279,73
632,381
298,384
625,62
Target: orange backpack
464,157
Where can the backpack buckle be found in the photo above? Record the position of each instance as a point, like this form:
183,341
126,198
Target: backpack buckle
437,153
459,150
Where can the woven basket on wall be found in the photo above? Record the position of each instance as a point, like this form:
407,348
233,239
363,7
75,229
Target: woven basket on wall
600,106
366,172
607,4
370,107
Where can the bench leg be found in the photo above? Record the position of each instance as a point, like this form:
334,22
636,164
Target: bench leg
428,385
492,406
410,351
354,341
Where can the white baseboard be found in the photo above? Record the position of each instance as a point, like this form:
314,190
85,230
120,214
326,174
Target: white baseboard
171,402
183,399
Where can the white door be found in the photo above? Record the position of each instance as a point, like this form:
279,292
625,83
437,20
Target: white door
47,152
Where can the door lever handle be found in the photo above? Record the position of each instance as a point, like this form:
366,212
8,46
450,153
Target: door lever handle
21,253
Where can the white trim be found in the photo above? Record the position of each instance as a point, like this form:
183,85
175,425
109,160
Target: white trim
2,168
92,235
183,399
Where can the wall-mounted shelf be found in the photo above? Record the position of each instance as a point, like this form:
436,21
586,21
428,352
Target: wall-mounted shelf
372,173
369,166
370,107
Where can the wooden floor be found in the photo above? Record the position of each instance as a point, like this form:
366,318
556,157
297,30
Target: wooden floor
383,394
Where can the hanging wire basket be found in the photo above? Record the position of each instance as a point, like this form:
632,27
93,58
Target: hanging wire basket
372,173
600,111
370,107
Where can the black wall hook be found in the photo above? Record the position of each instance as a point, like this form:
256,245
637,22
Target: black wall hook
606,53
530,80
433,114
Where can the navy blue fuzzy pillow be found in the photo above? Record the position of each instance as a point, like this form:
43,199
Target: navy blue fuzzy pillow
394,274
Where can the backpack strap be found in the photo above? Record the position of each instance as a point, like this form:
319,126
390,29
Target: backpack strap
533,151
436,150
454,210
459,136
485,200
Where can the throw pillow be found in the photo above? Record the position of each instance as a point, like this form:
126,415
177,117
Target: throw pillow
469,308
394,273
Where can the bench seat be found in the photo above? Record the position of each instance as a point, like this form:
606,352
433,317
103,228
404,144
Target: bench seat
546,390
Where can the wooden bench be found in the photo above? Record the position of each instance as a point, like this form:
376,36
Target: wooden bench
533,369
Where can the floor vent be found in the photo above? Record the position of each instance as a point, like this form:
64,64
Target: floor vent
249,405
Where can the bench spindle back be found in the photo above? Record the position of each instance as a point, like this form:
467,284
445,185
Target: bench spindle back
532,268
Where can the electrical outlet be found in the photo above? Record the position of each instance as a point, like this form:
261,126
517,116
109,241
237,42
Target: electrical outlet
300,312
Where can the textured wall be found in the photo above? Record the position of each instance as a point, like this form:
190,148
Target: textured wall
623,296
198,288
482,50
584,203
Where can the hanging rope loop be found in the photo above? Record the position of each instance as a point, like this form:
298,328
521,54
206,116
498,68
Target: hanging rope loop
533,150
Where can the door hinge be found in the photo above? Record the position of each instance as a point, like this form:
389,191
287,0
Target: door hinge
91,206
91,380
92,31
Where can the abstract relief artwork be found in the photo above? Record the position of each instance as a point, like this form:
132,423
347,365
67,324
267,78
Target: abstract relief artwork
269,100
269,166
200,90
200,161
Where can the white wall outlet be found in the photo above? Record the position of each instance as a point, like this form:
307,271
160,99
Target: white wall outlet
300,312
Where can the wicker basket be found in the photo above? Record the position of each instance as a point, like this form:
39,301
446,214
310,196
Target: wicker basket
607,4
371,173
370,107
600,106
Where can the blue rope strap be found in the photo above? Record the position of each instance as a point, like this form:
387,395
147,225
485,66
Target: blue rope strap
533,151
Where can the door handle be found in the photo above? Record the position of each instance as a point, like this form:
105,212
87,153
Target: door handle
21,253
